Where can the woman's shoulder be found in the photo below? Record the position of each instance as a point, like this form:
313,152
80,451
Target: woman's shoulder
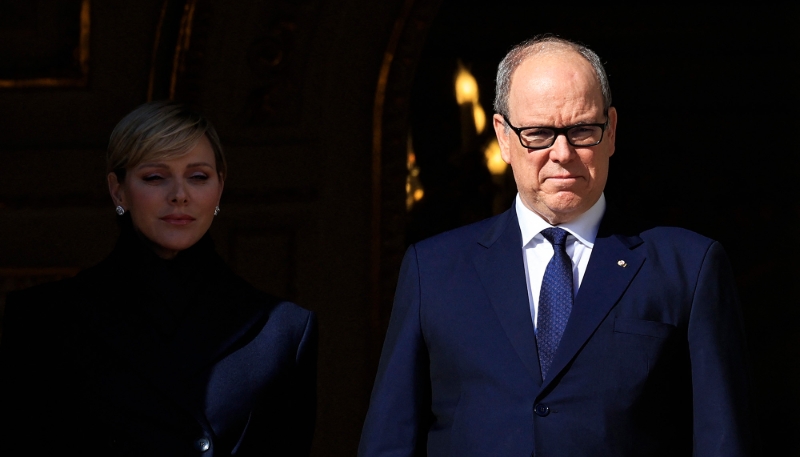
50,294
41,309
273,304
60,295
86,278
278,320
58,299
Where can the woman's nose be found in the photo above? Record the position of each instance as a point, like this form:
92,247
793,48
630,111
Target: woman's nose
179,193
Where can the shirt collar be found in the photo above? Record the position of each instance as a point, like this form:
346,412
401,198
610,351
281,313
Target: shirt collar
583,228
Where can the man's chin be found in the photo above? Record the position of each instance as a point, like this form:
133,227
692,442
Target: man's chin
565,208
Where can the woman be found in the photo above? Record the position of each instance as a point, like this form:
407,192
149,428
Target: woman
160,349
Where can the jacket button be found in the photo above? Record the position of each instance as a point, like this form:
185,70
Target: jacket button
203,444
541,410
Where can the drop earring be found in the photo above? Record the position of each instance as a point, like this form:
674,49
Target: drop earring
120,210
216,210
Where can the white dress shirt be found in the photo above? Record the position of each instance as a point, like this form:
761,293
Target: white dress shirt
537,252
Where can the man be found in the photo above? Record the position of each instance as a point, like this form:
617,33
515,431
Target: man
550,330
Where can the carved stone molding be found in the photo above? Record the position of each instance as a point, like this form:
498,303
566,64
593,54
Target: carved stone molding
268,57
170,47
390,134
44,44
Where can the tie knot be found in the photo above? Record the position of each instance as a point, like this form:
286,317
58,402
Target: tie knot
555,235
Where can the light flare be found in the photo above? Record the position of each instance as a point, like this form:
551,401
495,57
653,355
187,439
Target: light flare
494,159
466,86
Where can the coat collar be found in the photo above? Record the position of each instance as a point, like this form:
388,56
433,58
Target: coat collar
222,311
502,272
500,266
221,314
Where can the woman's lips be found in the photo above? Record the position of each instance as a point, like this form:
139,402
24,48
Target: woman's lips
177,219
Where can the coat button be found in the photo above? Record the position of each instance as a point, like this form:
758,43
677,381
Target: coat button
541,410
203,444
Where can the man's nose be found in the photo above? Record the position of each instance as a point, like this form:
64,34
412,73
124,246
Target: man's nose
561,151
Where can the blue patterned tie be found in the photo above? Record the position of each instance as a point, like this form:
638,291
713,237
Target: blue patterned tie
555,298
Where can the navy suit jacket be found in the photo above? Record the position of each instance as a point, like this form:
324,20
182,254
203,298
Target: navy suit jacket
651,363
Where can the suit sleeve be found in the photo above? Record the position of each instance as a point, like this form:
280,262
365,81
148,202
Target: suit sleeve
720,377
399,412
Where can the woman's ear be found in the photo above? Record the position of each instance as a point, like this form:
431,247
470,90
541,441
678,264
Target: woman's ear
221,185
115,189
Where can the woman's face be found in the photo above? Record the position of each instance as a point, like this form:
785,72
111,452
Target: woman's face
171,201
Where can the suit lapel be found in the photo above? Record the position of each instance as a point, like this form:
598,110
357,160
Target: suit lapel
603,284
502,272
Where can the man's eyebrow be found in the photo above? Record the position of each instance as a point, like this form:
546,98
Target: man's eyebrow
545,126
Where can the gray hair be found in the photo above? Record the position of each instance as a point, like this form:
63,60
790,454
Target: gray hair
156,131
538,45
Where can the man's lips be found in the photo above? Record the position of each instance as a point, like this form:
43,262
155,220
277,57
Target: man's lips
563,177
563,181
177,219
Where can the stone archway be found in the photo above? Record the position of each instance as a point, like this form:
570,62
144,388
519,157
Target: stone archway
390,136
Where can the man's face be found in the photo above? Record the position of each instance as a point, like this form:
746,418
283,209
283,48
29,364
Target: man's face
556,90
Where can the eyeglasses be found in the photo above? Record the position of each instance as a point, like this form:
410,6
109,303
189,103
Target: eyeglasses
581,135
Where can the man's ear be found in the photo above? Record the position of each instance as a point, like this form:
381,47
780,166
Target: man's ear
115,189
611,131
501,132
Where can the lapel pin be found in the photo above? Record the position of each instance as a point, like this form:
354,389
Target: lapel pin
622,263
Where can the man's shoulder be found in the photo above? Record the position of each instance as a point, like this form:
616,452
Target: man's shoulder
464,237
680,244
679,235
628,225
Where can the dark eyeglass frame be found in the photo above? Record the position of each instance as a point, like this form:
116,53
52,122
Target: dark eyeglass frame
558,131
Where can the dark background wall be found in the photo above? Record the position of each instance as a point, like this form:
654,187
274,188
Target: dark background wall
315,100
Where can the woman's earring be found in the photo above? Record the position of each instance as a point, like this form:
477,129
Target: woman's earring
120,210
216,210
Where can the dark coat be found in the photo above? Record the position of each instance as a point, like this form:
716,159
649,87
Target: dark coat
651,362
139,356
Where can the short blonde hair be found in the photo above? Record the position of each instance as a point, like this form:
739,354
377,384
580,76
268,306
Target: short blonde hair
156,131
